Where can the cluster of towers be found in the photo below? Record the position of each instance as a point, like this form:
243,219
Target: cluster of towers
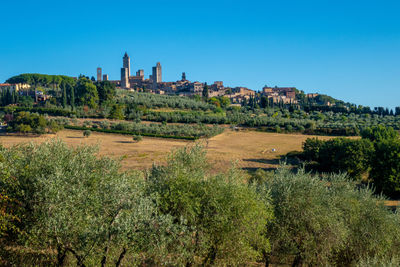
126,77
100,77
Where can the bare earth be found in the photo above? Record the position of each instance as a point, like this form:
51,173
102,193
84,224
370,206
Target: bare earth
249,149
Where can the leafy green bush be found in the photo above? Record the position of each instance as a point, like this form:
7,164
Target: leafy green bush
328,221
227,218
137,138
385,167
379,133
85,210
26,122
340,155
87,133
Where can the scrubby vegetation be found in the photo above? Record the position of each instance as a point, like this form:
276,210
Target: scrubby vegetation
68,206
25,122
373,158
179,131
149,101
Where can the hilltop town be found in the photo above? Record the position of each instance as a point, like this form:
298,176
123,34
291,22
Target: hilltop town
185,87
46,88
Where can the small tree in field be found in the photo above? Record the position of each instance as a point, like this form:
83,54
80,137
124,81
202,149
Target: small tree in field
87,133
137,138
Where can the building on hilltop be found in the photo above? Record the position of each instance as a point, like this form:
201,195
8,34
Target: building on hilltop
196,88
125,78
156,74
126,63
105,77
99,74
140,73
15,87
285,95
312,95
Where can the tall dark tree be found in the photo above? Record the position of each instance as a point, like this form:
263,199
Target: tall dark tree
106,91
86,93
397,111
64,95
205,91
71,92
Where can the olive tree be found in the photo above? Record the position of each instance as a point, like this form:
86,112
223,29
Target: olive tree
227,217
329,220
86,209
307,227
373,231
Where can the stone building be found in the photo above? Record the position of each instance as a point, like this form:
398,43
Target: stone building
140,73
16,87
99,74
127,63
125,78
196,88
156,75
288,92
105,77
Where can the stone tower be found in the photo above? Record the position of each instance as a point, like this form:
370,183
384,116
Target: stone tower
99,74
127,64
124,78
140,73
183,76
157,77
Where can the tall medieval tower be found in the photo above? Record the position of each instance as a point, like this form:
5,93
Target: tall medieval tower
99,74
124,78
156,76
127,63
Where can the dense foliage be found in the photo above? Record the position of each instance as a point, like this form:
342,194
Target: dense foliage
148,100
80,209
26,122
315,122
226,218
45,80
328,221
340,154
375,157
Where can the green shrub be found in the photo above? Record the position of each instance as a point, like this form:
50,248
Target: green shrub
85,210
227,217
328,221
87,133
137,138
385,167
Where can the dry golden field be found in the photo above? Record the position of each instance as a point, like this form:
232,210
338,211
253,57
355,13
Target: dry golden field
250,149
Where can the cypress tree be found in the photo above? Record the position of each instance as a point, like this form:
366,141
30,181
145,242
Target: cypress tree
64,95
205,91
2,98
8,97
72,96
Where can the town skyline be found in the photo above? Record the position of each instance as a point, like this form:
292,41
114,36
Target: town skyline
348,51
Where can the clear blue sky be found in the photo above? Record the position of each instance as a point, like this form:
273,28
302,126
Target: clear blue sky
348,49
